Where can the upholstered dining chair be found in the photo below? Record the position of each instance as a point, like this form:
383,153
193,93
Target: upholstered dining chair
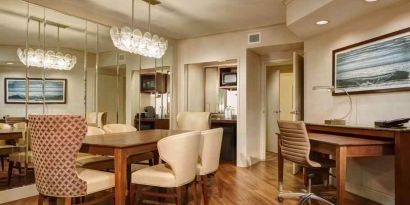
99,119
294,146
197,121
179,170
118,128
209,154
56,141
5,149
23,157
91,161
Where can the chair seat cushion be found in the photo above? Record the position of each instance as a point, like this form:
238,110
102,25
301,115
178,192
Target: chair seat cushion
8,149
21,157
158,175
96,180
200,170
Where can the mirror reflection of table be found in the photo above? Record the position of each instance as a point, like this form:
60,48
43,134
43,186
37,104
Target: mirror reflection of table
121,146
11,134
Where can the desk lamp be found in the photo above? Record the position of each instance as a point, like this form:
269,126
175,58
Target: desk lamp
337,121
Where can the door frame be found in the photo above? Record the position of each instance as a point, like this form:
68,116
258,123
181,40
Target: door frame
263,127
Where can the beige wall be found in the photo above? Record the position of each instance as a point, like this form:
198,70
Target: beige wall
195,88
369,177
224,47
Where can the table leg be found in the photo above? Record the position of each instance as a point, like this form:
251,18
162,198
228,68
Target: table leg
120,164
341,159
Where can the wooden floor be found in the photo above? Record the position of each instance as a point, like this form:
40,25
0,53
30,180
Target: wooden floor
256,185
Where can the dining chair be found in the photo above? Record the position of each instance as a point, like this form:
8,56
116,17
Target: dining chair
99,119
180,152
91,161
294,146
21,159
118,128
197,121
56,141
209,154
5,149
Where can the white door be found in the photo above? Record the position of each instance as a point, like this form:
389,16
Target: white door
273,108
297,111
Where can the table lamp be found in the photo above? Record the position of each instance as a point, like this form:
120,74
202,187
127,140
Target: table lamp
337,121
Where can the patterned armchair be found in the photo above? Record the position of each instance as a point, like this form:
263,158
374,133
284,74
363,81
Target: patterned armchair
56,141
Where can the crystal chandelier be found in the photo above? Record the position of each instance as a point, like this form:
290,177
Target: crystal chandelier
133,41
47,60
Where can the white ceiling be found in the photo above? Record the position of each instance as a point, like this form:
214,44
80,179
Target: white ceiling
179,19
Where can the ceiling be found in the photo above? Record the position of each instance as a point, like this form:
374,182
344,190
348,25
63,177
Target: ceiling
178,19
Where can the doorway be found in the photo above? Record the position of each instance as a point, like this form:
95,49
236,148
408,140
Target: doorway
279,94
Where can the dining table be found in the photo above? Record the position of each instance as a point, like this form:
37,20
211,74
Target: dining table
11,134
122,146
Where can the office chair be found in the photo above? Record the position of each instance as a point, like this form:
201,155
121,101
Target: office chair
294,146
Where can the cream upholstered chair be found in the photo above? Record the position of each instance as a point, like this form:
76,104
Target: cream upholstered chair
209,154
5,149
180,152
193,121
91,161
99,119
22,157
294,145
56,140
117,128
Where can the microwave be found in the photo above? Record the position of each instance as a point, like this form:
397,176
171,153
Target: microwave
229,79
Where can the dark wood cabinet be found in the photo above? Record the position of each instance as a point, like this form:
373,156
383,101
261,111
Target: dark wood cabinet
229,140
150,123
154,82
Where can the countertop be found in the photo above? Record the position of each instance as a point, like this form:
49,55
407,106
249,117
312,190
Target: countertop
361,126
223,120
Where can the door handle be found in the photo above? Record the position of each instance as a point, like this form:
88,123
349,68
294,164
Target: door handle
277,112
295,112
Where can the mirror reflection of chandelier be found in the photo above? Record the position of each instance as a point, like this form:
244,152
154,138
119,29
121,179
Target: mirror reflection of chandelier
133,41
49,59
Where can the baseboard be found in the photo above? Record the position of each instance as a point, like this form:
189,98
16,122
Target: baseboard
373,195
18,193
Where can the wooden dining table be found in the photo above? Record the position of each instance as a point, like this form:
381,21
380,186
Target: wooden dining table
11,134
121,146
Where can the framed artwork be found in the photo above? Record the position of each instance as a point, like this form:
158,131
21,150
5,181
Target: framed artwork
381,64
54,91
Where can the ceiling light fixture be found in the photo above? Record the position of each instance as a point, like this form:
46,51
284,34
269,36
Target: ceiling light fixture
131,40
323,22
9,63
370,1
49,59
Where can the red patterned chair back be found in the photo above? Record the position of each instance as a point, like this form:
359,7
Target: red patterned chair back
56,140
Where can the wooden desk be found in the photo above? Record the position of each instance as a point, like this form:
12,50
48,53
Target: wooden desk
400,143
123,145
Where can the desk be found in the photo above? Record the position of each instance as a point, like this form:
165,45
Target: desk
400,139
123,145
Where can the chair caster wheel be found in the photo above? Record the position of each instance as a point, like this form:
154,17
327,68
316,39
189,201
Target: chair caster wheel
280,199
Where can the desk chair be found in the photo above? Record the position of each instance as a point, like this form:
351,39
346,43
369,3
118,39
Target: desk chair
294,146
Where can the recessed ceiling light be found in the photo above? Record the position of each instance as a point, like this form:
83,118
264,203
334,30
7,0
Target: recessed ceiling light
324,22
10,63
370,1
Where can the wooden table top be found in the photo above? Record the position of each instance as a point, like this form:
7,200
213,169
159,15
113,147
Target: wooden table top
129,139
346,141
11,131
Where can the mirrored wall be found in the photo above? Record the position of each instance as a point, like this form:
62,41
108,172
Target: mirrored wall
54,63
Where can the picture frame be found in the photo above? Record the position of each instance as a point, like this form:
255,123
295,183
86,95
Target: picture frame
55,91
377,65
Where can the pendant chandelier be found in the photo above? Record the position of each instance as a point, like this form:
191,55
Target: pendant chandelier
49,59
133,41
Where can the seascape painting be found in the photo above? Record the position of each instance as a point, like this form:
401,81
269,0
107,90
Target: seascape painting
54,91
380,65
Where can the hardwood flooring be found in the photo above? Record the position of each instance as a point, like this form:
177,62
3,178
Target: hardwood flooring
256,185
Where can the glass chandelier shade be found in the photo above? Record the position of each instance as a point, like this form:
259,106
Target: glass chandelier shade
133,41
48,60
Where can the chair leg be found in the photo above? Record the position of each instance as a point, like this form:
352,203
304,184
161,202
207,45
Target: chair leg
179,195
10,173
194,192
40,199
205,188
132,194
2,162
67,201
